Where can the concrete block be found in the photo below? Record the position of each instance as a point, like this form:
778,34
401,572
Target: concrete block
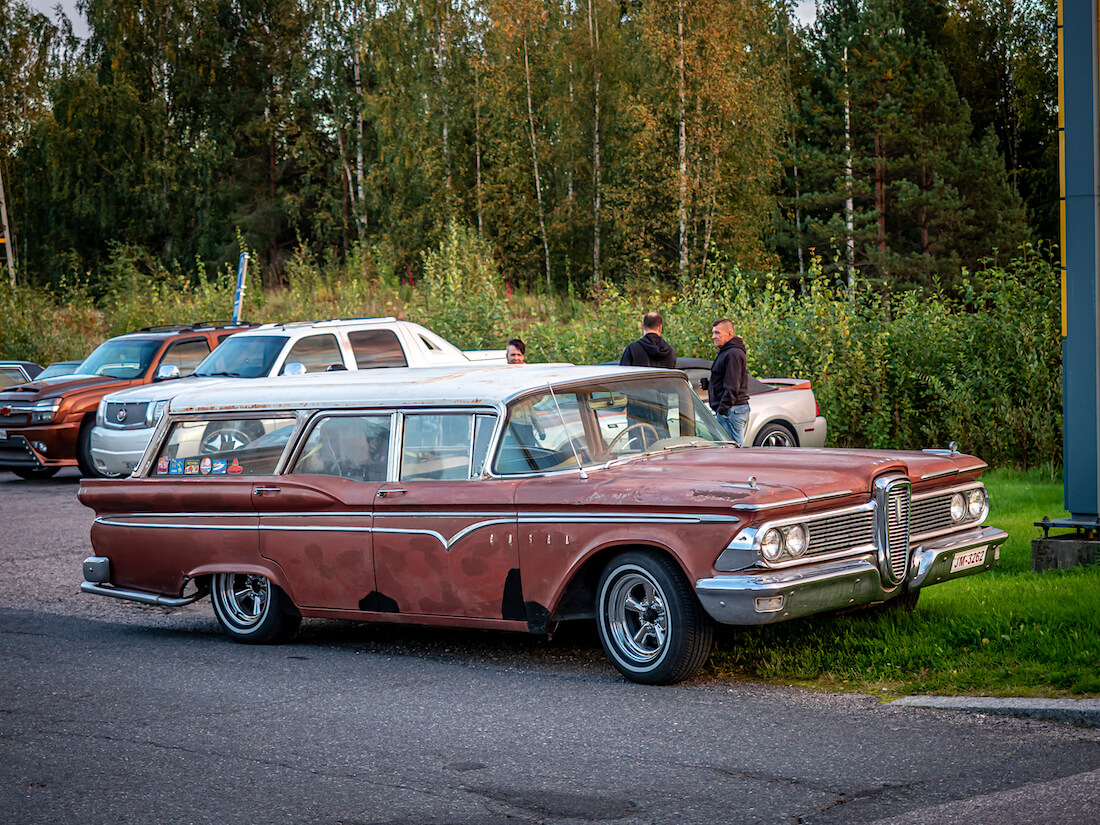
1063,552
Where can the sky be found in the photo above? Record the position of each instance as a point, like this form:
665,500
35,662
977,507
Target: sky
804,11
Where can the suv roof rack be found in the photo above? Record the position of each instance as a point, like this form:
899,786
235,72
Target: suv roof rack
388,319
189,327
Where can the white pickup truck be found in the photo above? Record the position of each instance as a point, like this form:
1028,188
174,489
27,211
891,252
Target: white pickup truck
125,420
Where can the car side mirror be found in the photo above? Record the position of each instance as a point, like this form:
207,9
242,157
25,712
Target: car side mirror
166,371
294,368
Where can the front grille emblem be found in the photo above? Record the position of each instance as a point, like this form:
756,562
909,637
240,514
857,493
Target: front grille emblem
121,415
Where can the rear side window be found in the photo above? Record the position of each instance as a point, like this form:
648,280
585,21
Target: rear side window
376,348
10,376
226,447
349,446
438,446
317,353
186,355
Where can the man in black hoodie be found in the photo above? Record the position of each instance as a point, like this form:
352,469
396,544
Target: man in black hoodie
728,392
651,350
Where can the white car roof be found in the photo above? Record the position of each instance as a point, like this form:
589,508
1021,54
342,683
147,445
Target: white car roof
162,390
400,387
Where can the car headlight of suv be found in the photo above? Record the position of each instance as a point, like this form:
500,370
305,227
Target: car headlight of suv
43,411
153,412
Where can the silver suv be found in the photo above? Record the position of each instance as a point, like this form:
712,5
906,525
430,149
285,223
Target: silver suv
125,420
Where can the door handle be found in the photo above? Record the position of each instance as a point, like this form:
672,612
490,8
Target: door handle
259,491
392,491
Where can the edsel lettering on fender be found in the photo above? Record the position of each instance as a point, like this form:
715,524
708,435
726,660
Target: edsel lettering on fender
517,498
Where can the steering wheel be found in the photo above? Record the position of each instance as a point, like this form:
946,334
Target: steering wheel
641,426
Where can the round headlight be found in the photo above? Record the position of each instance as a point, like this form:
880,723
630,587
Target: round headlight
958,507
975,501
797,538
771,546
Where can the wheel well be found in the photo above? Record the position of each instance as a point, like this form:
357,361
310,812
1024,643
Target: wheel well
578,600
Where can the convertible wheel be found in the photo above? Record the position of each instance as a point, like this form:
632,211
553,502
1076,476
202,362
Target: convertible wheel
651,625
775,435
35,474
252,609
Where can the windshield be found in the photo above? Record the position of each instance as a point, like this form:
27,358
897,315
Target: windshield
602,422
243,356
120,358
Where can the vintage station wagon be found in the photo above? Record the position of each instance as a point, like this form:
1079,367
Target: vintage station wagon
518,497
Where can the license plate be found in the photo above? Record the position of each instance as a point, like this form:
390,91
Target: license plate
3,435
971,558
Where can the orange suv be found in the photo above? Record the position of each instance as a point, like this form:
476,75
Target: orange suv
46,425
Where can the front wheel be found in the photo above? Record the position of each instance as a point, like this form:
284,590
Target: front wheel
651,625
35,473
252,609
84,455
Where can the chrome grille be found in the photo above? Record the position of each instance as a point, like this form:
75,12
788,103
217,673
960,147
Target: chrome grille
134,414
842,532
897,531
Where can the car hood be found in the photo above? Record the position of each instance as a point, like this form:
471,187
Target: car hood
57,387
749,479
165,390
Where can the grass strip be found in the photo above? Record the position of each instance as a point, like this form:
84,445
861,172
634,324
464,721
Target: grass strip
1010,632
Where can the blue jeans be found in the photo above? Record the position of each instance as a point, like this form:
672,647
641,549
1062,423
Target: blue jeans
735,421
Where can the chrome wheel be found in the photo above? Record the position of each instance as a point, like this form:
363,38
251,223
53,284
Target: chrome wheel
775,435
244,598
223,438
637,617
251,608
651,624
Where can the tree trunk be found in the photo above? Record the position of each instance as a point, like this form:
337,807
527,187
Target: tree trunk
477,145
680,80
535,160
594,41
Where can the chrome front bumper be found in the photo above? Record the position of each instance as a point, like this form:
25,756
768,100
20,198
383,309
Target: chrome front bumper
117,451
767,596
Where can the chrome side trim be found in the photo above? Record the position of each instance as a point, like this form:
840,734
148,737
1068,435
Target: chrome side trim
801,500
495,519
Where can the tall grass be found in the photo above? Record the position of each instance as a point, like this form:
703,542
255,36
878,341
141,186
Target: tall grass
982,368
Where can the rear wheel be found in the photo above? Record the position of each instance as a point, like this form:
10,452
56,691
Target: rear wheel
35,474
252,609
651,625
775,434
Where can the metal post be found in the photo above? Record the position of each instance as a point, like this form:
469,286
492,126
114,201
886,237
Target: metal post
238,299
6,232
1079,141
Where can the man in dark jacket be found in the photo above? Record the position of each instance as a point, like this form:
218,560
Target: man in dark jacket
651,350
728,392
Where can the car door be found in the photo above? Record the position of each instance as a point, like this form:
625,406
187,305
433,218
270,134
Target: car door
444,537
316,519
